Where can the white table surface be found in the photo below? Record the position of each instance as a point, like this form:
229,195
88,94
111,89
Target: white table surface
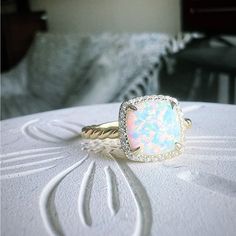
50,186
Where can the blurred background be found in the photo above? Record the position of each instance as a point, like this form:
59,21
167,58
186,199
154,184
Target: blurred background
58,54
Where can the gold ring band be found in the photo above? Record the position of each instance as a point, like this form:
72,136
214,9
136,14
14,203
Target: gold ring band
110,130
102,131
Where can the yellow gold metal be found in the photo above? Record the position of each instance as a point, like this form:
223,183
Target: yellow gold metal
172,104
188,123
132,107
102,131
178,146
136,150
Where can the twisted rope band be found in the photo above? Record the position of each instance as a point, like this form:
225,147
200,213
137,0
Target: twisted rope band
103,131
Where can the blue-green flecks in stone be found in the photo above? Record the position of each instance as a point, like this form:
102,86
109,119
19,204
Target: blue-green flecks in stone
154,127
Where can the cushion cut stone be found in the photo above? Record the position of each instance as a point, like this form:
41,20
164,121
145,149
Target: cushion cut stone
154,127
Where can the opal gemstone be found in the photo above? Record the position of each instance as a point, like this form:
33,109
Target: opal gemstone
154,127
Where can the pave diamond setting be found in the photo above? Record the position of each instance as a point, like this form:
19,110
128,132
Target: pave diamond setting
152,132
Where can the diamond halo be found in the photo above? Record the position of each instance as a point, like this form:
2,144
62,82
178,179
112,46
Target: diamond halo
123,131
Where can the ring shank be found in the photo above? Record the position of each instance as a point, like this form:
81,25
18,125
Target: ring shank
101,131
110,130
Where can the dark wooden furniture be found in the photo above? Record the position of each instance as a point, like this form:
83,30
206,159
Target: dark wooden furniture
217,60
212,17
17,32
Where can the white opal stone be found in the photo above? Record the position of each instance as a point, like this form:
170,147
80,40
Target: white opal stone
154,127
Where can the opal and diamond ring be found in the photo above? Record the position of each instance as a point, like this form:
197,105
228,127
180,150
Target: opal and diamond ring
150,128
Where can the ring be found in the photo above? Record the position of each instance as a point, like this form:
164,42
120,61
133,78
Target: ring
150,128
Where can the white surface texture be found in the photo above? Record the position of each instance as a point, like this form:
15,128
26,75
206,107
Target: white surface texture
54,183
